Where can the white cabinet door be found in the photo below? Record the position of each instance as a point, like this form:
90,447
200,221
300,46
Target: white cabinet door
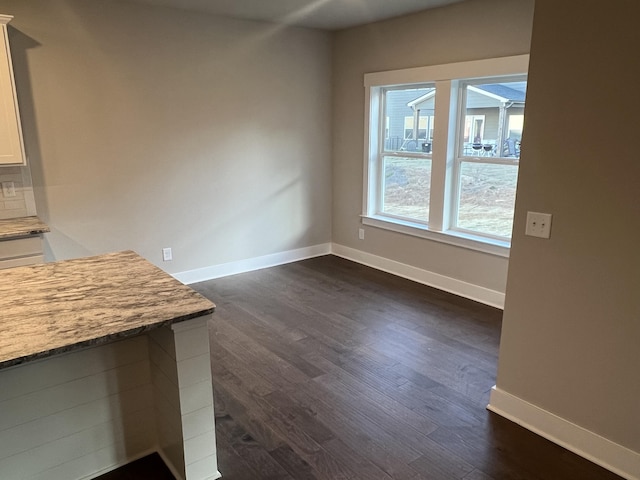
11,145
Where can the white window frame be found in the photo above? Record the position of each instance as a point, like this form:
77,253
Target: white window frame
443,153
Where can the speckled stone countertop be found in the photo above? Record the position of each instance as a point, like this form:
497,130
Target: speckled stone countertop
57,307
20,227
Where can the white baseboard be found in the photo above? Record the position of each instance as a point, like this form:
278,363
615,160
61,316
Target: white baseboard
441,282
616,458
250,264
448,284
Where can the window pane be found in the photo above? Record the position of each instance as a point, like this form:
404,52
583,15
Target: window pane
409,119
487,197
406,187
493,119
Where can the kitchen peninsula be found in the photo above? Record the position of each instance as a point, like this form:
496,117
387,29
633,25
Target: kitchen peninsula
103,360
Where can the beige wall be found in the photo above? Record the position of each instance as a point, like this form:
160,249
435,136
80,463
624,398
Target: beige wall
471,30
571,333
149,127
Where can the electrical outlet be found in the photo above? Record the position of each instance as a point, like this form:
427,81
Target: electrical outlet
538,224
8,189
361,233
167,256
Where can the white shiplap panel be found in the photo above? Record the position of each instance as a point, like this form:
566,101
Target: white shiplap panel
70,394
169,432
199,447
164,339
162,360
37,375
40,431
164,378
165,387
191,342
198,422
196,396
194,370
204,469
50,456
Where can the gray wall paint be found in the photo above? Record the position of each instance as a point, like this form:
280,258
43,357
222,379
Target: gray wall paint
571,332
471,30
149,127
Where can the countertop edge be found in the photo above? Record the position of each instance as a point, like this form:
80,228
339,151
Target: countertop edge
15,228
101,340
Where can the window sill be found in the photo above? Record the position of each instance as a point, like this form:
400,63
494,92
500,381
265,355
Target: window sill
491,246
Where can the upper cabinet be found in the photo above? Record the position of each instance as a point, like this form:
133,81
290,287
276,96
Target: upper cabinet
11,144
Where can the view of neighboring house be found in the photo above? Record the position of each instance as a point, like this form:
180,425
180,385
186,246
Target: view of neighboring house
494,117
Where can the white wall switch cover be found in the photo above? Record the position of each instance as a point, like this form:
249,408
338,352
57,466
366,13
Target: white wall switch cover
538,224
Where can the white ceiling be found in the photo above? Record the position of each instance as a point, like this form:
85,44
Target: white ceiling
325,14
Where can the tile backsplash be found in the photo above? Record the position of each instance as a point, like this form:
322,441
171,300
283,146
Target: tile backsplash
22,204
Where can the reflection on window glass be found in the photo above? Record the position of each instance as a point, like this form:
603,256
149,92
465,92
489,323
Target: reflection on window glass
487,198
409,119
406,187
493,119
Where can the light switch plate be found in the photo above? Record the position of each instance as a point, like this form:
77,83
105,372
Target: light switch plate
538,224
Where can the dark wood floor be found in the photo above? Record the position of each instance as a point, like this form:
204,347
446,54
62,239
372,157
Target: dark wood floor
326,369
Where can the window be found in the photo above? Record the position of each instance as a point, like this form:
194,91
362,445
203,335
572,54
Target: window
487,164
405,156
444,147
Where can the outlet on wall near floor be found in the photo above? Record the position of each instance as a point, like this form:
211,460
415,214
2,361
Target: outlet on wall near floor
167,255
361,233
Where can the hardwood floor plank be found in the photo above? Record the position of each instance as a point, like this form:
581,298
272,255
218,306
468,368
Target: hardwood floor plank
265,363
301,416
275,343
364,469
232,399
365,438
304,445
225,363
290,461
478,475
440,464
230,464
338,380
441,363
251,451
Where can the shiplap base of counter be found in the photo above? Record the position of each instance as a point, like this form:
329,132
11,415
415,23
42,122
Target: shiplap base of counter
181,379
83,413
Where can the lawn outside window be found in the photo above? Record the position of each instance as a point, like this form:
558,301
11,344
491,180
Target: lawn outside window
442,150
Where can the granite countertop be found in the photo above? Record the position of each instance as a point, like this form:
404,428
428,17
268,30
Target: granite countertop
57,307
20,227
